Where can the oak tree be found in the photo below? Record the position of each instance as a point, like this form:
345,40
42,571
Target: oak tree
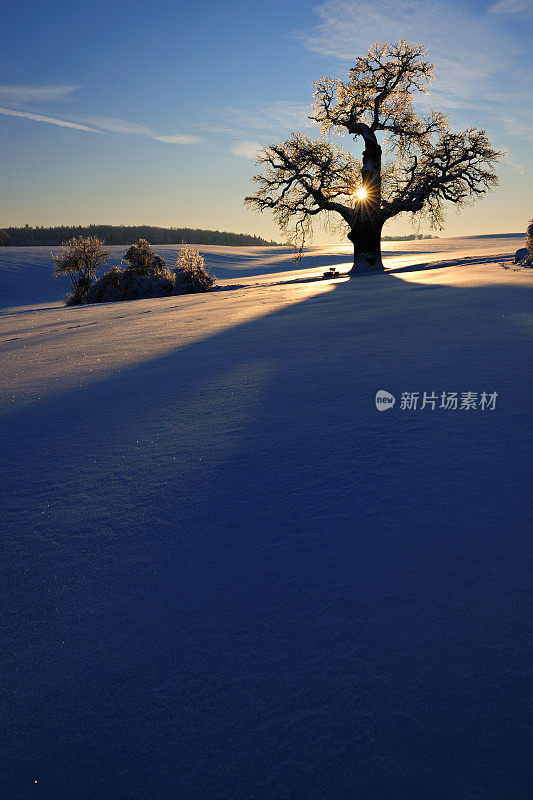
410,163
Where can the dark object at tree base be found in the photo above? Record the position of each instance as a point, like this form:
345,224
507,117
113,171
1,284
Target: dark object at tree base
523,257
332,273
362,266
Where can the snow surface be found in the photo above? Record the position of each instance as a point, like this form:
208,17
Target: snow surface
26,275
226,575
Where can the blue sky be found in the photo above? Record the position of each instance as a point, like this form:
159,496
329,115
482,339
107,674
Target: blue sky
136,112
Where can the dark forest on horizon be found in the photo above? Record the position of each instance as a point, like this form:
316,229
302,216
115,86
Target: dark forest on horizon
28,236
125,234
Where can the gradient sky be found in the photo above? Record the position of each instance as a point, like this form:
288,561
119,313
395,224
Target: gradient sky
136,112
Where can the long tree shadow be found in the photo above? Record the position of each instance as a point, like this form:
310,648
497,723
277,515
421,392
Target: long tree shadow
225,558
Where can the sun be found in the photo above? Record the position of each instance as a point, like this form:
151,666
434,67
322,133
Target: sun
361,193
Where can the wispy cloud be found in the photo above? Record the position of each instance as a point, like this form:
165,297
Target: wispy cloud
510,6
114,125
248,150
482,73
468,47
507,159
224,129
176,138
26,94
284,113
521,128
63,123
278,116
105,125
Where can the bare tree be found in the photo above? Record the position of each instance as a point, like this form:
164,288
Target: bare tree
426,164
80,258
142,260
529,238
191,275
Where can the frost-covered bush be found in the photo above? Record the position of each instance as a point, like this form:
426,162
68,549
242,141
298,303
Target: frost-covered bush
79,259
145,276
529,239
77,296
142,260
125,284
524,256
190,274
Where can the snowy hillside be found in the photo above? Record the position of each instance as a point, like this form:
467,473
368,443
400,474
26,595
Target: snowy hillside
25,272
226,573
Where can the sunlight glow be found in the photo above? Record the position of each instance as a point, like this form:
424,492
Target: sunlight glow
360,193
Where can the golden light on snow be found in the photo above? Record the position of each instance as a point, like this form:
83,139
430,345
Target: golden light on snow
360,193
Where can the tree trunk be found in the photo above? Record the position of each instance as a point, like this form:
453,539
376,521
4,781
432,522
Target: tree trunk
367,221
366,238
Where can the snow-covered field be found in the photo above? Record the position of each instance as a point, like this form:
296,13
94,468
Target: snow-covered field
25,272
226,574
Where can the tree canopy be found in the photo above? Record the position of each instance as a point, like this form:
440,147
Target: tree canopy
419,166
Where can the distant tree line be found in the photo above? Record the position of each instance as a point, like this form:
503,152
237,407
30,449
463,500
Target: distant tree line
408,238
125,234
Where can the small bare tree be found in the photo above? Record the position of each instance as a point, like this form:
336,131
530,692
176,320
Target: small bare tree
190,273
142,260
529,238
80,258
426,166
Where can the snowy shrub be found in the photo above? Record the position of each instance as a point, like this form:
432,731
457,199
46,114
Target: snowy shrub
77,296
529,239
524,256
521,255
145,276
142,260
190,274
126,284
79,259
